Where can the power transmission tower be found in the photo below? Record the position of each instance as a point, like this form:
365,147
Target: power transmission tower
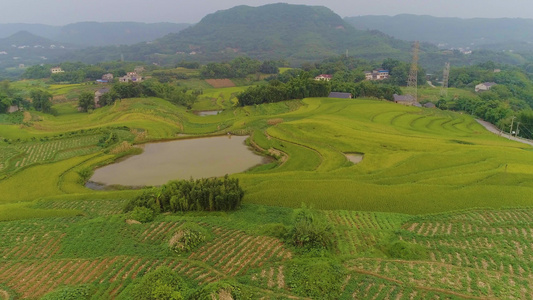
412,81
445,78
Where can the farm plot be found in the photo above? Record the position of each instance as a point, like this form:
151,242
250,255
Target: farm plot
361,231
55,150
462,282
220,83
6,152
233,252
91,207
367,287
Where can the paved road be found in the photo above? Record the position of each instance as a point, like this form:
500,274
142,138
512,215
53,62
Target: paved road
492,128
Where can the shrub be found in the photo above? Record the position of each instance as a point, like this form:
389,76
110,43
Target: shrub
312,230
163,283
188,237
142,214
84,174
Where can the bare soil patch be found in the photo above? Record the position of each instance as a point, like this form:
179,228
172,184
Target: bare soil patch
220,83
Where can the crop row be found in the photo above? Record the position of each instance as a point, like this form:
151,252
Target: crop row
446,277
33,247
33,278
5,154
435,228
271,277
365,220
15,233
90,207
56,150
367,287
234,252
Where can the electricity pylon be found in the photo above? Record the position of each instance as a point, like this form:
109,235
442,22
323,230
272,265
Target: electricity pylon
412,81
445,78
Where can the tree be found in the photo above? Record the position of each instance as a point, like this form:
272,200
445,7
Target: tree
86,101
5,103
41,100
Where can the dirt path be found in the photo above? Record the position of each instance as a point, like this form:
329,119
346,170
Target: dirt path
492,128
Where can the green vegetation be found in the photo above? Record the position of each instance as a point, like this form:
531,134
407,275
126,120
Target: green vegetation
400,224
207,194
162,283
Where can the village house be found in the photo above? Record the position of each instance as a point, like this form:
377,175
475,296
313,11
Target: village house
108,77
56,70
324,77
429,105
138,69
340,95
485,86
12,109
131,76
99,94
379,74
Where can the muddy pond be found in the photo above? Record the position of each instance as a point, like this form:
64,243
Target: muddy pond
181,159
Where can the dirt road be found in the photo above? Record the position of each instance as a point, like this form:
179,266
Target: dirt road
492,128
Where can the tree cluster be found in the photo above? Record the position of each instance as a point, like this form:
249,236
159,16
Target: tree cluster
207,194
153,88
298,87
41,100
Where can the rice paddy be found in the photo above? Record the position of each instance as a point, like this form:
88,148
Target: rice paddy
433,179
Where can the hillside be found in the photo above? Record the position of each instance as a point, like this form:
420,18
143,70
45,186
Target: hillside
26,48
115,33
406,221
97,33
295,33
478,33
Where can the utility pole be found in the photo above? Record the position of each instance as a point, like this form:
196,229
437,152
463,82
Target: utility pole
517,129
511,129
412,81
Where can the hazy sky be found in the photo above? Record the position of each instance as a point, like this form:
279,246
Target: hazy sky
60,12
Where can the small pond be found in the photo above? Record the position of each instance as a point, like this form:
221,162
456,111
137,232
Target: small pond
181,159
203,113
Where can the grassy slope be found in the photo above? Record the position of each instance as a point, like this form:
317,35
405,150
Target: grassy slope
431,159
416,161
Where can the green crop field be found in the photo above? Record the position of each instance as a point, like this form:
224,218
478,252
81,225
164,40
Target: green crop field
434,180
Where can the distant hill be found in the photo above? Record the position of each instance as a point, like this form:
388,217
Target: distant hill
26,48
24,38
478,33
115,33
295,33
96,34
